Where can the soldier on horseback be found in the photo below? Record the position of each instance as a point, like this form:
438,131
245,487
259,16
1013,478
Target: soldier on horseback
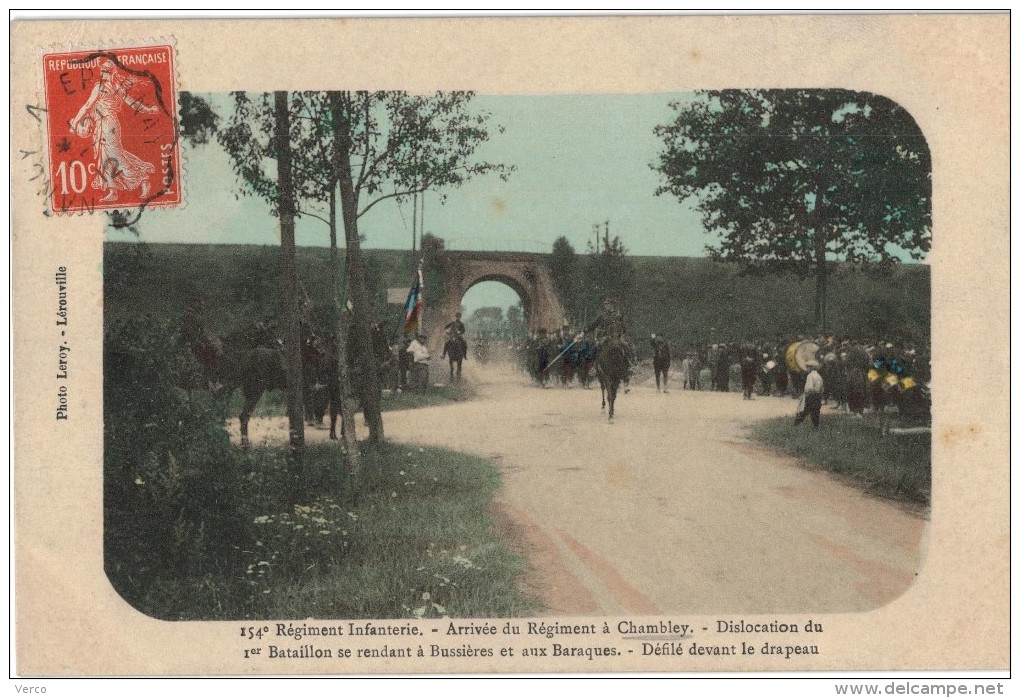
610,323
455,331
614,356
609,320
203,346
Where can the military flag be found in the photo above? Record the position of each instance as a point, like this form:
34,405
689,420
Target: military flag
415,306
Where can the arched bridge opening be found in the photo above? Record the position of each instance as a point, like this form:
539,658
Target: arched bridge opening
526,274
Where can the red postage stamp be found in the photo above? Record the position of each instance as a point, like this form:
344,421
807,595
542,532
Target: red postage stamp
112,129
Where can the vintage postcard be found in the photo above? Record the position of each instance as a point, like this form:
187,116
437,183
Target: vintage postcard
591,345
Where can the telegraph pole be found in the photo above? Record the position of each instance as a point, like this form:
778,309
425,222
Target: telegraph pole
601,231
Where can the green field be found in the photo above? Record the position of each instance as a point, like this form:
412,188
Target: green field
689,300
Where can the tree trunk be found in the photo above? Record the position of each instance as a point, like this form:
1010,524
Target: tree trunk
817,217
347,426
370,388
821,280
290,309
334,253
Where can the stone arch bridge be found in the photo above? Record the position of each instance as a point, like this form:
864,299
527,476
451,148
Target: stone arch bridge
527,274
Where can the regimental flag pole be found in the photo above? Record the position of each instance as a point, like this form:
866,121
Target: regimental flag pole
421,296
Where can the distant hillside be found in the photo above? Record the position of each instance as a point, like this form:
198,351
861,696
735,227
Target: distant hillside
689,300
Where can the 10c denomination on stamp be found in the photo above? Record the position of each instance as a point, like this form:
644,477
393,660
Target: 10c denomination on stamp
112,129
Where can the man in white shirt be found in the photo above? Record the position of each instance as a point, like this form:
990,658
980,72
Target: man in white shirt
418,350
812,399
419,369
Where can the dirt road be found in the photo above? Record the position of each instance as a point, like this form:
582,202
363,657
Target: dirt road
670,508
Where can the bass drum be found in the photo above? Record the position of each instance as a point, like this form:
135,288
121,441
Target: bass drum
798,354
791,357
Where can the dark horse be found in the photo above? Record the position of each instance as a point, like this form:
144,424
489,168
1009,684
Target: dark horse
456,349
335,392
256,371
611,368
251,359
263,368
206,361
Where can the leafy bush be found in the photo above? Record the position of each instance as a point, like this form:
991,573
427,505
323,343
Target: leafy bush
172,483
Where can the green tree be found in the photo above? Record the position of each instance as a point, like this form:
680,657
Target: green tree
795,180
197,119
487,321
362,148
514,323
392,145
286,206
563,269
262,137
433,264
607,274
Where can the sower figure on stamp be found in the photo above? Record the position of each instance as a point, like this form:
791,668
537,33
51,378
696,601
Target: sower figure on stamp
811,400
117,169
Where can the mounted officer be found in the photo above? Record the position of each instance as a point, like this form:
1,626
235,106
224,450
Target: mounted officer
456,327
610,322
455,330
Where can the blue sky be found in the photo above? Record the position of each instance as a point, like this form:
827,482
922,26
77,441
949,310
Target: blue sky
579,160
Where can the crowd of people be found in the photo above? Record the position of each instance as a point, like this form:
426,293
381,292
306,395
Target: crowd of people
856,374
849,374
853,375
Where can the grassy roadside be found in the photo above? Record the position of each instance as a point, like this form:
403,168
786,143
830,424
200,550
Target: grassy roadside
411,537
898,467
434,395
